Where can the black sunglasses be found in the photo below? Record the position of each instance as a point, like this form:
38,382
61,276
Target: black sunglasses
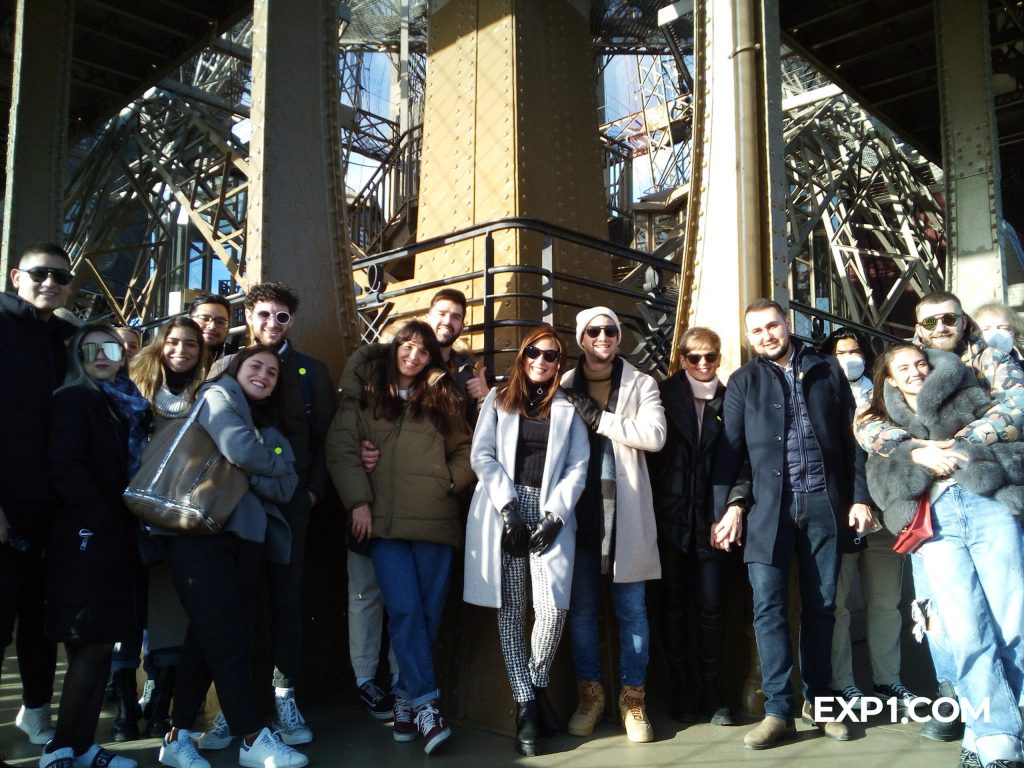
39,274
283,318
550,355
949,319
610,331
694,358
112,350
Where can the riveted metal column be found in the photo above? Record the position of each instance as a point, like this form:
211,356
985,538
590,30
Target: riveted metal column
37,132
970,152
510,129
736,234
296,227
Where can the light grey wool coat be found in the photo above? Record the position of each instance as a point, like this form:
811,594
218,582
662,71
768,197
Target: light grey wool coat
494,459
636,426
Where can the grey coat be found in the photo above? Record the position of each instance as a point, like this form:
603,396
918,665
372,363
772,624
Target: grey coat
264,454
494,459
949,399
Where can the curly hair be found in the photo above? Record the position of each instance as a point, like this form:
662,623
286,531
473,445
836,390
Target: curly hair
274,291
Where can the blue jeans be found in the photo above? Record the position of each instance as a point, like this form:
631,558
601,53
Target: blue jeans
942,657
975,567
630,604
808,527
413,578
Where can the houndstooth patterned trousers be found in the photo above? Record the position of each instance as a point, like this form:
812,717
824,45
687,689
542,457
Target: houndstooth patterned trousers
527,670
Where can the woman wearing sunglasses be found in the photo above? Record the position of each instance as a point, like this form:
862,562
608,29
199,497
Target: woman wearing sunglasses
98,431
530,451
168,373
681,481
401,398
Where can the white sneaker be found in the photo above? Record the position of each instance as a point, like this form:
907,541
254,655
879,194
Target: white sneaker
98,757
219,737
290,724
268,751
37,723
181,753
59,758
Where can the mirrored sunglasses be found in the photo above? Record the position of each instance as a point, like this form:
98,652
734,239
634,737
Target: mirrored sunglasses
39,274
112,351
610,331
550,355
694,358
949,319
283,318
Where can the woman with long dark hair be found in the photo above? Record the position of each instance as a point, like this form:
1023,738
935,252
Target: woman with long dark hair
97,435
530,451
406,404
973,565
243,412
168,373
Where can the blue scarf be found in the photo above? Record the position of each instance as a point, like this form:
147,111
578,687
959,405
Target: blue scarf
131,406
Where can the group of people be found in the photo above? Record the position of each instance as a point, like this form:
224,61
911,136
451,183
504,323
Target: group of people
562,483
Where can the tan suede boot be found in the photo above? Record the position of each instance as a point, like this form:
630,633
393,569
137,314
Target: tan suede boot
768,732
589,711
634,714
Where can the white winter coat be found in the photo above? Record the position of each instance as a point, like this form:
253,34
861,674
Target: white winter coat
493,459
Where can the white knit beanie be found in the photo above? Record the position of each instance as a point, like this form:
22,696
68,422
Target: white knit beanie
586,317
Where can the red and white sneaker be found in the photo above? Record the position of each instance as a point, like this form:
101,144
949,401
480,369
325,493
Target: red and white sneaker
405,725
432,727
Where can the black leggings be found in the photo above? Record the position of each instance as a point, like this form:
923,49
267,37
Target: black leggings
215,577
81,696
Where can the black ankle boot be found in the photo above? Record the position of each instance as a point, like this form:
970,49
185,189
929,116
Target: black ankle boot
158,720
126,726
547,718
944,731
526,728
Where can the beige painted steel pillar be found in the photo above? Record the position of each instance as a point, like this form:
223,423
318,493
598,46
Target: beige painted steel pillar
296,227
970,153
510,129
736,241
37,133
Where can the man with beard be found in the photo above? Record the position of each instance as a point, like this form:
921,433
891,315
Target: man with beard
32,361
213,314
270,311
789,413
447,317
942,324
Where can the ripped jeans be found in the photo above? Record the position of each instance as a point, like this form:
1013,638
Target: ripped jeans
975,570
630,604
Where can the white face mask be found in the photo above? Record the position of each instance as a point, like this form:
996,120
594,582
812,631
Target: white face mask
852,366
999,339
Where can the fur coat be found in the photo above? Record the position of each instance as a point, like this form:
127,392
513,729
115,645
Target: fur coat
949,399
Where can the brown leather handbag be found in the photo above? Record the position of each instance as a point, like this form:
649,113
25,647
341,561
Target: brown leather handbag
918,530
184,484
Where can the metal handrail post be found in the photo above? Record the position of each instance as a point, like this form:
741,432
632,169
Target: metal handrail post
489,302
547,288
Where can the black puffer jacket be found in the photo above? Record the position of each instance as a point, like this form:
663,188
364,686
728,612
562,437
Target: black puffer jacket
949,399
32,365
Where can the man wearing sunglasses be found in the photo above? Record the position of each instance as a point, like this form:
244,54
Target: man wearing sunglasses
616,534
270,313
32,365
213,315
789,413
943,325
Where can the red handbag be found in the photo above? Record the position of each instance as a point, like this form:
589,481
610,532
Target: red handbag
918,530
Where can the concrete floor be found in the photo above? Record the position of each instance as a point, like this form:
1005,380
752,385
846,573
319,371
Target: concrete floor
347,736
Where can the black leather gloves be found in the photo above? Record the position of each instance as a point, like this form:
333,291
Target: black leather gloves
515,536
588,410
546,532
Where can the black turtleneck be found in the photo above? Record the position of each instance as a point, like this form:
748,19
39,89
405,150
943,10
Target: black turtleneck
176,382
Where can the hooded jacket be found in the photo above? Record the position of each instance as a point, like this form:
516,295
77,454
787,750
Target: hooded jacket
412,492
950,398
